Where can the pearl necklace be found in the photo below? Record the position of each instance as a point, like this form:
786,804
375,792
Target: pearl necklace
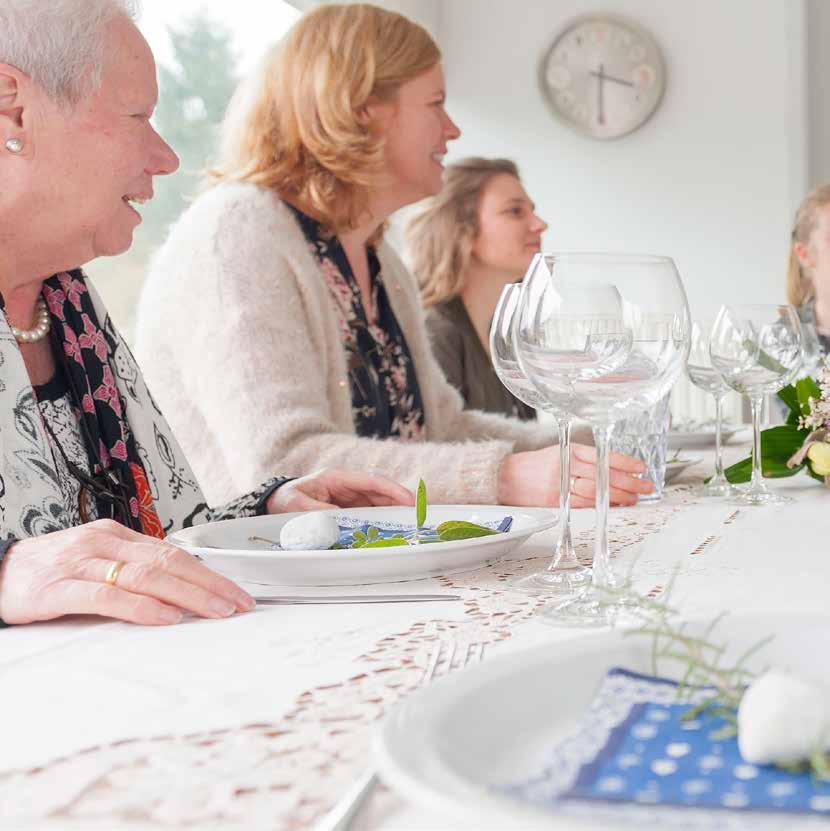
43,323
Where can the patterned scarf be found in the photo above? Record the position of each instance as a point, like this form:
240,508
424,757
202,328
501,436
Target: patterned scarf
118,418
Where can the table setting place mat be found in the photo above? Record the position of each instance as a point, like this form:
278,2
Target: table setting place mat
634,750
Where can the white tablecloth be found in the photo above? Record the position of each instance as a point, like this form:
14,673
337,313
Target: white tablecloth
262,721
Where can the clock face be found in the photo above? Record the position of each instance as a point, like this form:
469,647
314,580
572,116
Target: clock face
603,76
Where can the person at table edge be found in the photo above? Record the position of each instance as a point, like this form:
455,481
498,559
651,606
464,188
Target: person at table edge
91,477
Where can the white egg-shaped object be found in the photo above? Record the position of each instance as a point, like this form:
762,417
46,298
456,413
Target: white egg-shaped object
782,719
314,531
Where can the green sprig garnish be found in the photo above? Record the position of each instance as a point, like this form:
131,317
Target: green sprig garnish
449,531
421,505
702,659
371,539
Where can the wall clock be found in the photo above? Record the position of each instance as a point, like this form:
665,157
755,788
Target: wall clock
603,76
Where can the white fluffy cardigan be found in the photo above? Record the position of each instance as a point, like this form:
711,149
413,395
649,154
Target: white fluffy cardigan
238,341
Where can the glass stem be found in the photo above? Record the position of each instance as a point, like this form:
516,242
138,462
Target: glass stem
756,402
603,578
718,437
564,549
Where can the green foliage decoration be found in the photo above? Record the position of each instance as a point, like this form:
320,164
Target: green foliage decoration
778,444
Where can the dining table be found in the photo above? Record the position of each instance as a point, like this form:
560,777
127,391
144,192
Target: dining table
264,720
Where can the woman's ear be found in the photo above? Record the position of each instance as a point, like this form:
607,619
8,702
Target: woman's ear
802,253
14,136
375,111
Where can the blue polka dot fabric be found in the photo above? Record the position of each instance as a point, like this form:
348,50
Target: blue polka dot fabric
634,746
386,530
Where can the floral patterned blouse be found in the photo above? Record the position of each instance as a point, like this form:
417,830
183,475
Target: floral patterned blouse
56,407
386,399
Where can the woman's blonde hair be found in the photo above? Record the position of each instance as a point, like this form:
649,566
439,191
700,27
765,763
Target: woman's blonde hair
440,238
298,125
799,283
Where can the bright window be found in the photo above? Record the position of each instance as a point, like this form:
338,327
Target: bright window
202,48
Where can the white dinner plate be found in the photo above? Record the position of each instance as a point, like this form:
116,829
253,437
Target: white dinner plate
225,547
674,467
685,439
452,743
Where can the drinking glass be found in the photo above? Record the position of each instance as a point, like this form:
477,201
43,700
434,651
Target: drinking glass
563,575
603,337
702,374
644,436
757,351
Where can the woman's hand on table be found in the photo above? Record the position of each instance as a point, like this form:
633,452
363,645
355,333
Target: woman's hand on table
331,488
65,573
532,478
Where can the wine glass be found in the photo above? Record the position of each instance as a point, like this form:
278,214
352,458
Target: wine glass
703,375
603,337
564,575
757,351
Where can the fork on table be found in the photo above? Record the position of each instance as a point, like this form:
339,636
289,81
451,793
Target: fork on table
445,657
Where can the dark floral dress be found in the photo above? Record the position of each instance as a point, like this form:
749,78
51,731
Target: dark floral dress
386,398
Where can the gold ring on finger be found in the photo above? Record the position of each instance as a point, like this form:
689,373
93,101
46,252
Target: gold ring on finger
113,571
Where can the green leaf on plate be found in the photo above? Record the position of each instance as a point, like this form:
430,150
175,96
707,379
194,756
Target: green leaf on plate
461,525
421,504
455,530
389,542
372,533
359,536
465,534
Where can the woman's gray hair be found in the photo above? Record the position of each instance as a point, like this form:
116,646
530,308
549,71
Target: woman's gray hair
59,44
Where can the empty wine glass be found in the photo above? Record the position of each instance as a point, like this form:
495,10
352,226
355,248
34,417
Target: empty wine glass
757,351
603,337
564,575
703,375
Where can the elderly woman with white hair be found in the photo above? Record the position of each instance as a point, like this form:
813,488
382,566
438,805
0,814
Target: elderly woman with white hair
91,478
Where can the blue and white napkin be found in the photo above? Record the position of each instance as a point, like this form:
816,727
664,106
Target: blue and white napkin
633,747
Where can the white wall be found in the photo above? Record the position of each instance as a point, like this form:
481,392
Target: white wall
711,179
818,70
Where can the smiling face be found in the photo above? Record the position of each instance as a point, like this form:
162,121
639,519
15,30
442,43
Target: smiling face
96,159
510,232
416,129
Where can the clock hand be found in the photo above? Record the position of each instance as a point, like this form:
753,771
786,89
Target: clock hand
611,78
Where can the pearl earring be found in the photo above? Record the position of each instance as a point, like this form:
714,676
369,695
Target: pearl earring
14,145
